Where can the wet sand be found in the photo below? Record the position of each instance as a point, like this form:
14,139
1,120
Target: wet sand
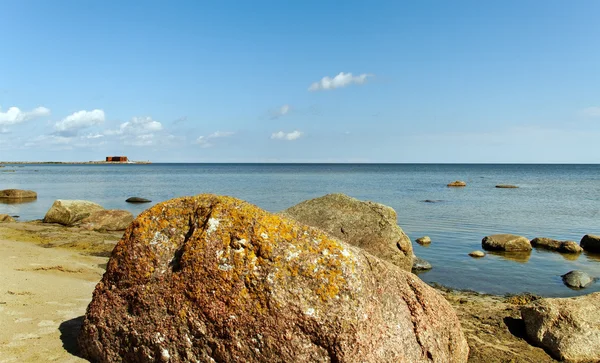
48,274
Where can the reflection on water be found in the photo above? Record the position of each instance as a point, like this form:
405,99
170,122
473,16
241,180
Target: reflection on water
17,200
521,257
570,256
592,256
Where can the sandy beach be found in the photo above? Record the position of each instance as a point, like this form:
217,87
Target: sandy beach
49,273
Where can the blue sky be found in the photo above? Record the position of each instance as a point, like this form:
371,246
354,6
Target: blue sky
244,81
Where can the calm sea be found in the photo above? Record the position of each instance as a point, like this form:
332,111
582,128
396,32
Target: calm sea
557,201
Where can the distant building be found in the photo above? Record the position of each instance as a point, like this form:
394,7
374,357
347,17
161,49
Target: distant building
117,159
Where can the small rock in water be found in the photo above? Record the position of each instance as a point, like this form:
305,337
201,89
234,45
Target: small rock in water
476,254
554,245
457,183
432,201
137,200
425,240
505,242
506,186
590,243
420,264
577,279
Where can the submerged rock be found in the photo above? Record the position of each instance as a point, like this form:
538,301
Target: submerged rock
476,254
577,279
590,243
567,328
506,186
425,240
17,194
506,242
368,225
420,264
6,218
554,245
211,278
457,183
69,212
137,200
107,220
432,201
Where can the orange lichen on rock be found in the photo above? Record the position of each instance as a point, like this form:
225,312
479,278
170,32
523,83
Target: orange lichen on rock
210,277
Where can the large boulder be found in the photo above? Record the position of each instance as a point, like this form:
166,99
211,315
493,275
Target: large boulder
69,212
211,278
17,194
554,245
568,328
505,242
590,243
368,225
107,220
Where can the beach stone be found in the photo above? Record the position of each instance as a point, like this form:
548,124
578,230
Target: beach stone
425,240
506,186
477,254
457,183
211,278
6,218
107,220
432,201
69,212
368,225
567,328
506,242
137,200
554,245
420,264
577,279
17,194
590,243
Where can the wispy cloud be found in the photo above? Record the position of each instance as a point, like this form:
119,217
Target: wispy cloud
80,120
290,136
593,111
281,111
341,80
206,141
139,131
14,115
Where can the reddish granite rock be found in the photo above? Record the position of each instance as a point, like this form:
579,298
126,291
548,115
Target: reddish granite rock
211,278
368,225
107,220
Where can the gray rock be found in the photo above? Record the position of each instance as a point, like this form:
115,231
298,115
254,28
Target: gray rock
590,243
457,183
506,242
506,186
420,264
137,200
425,240
554,245
476,254
368,225
577,279
209,278
69,212
567,328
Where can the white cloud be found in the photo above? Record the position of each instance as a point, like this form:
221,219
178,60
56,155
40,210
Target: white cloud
14,115
341,80
204,141
286,136
591,111
80,120
139,125
281,111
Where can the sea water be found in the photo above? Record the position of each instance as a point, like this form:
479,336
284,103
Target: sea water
556,201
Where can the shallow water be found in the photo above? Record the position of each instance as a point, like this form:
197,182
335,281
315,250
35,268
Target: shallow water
557,201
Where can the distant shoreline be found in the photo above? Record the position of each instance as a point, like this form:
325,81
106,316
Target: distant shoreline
72,162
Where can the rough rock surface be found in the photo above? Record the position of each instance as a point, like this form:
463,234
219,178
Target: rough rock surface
554,245
568,328
17,194
69,212
590,243
210,278
368,225
137,200
425,240
505,242
107,220
506,186
420,264
457,183
6,218
477,254
577,279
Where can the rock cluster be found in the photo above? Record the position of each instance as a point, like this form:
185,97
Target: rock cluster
211,278
368,225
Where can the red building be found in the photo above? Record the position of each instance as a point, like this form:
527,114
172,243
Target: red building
117,159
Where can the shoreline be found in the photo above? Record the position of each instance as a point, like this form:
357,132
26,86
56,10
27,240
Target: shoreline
71,162
51,272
